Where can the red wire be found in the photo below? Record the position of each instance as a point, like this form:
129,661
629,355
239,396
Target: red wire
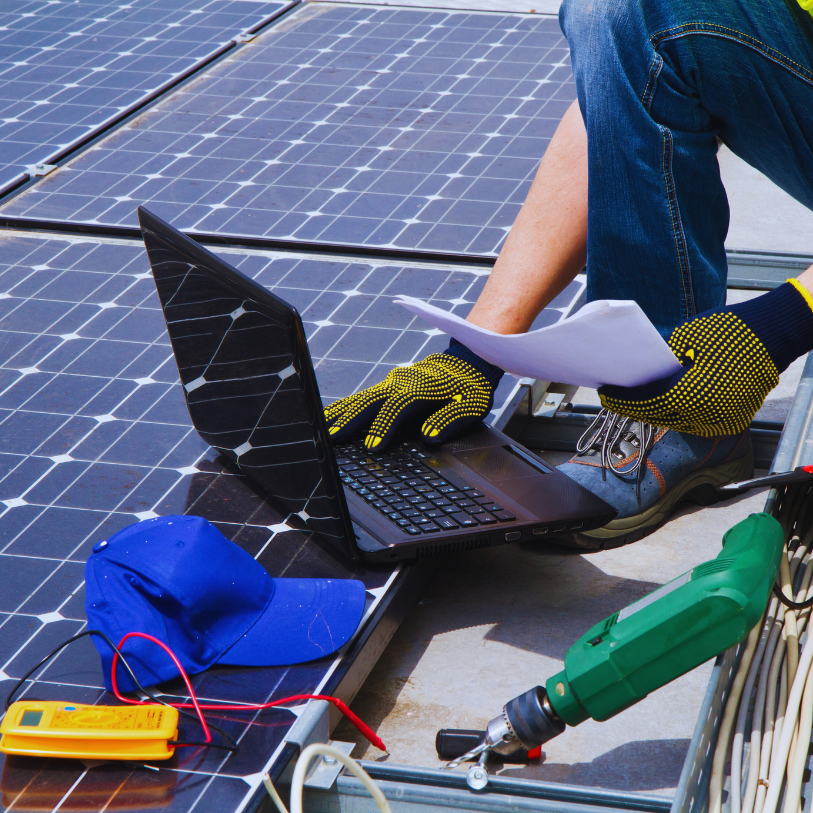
364,729
206,732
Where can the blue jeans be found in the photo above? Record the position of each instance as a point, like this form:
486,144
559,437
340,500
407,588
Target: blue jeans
658,82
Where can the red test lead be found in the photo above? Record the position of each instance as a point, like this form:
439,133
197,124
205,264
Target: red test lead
362,727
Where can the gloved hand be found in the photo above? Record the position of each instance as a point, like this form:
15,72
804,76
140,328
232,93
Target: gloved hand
455,389
731,360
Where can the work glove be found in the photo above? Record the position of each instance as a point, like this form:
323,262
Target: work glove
452,390
731,360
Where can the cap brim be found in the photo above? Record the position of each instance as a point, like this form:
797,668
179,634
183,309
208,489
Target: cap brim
306,619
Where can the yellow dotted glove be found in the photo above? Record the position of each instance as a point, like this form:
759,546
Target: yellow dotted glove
449,391
731,360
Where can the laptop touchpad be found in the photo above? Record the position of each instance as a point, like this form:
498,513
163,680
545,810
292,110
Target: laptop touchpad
497,463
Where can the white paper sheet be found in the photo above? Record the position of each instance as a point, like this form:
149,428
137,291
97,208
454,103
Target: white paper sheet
606,342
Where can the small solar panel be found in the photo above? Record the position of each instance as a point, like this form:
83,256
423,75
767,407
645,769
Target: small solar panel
95,435
413,128
66,68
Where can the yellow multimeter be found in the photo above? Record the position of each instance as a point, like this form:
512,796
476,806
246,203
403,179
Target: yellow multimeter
50,729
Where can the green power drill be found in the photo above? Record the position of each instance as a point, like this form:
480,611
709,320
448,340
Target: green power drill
650,643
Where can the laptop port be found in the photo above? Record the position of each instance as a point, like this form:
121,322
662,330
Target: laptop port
558,529
540,531
513,536
576,525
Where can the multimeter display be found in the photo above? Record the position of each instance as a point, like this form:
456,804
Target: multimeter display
48,728
31,718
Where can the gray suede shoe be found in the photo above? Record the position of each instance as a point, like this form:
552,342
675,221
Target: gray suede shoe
645,473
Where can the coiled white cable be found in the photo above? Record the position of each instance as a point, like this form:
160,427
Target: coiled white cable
765,639
783,748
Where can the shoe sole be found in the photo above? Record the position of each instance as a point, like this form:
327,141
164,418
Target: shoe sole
700,487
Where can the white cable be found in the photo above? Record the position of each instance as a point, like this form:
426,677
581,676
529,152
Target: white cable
318,748
739,731
790,619
794,699
775,630
796,764
770,723
799,748
723,737
272,792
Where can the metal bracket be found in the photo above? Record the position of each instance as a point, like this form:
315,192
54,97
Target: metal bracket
549,406
245,37
327,769
312,725
40,170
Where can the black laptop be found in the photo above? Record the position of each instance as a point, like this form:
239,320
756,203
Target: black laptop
251,391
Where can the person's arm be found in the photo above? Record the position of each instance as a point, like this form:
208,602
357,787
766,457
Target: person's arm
547,245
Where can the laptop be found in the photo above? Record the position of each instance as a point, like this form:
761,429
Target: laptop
252,395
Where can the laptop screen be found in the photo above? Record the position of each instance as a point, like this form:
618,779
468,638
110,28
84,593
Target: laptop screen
247,378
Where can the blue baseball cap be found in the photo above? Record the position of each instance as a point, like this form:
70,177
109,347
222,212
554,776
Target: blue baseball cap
180,580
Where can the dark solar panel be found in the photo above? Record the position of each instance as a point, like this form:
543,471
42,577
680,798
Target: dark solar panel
411,128
95,434
66,68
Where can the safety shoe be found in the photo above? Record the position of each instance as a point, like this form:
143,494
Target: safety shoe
645,472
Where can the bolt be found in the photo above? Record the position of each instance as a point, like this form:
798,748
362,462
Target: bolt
330,760
477,777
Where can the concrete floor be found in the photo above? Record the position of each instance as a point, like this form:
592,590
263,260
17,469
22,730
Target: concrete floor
763,217
493,623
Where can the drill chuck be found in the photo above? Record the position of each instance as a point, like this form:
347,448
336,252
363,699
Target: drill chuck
526,722
532,718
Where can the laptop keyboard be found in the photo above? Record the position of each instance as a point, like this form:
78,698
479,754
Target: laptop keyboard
403,488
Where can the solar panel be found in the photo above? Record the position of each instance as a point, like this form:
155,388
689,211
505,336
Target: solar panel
95,435
67,68
412,128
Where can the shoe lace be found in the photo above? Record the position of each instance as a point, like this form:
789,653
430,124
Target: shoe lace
605,435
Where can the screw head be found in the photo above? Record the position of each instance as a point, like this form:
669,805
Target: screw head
476,778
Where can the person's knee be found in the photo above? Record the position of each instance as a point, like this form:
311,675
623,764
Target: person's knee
598,23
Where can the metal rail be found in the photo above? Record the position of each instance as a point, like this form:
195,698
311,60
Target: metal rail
423,790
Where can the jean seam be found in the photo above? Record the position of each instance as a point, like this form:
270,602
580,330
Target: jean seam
715,30
677,225
654,71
